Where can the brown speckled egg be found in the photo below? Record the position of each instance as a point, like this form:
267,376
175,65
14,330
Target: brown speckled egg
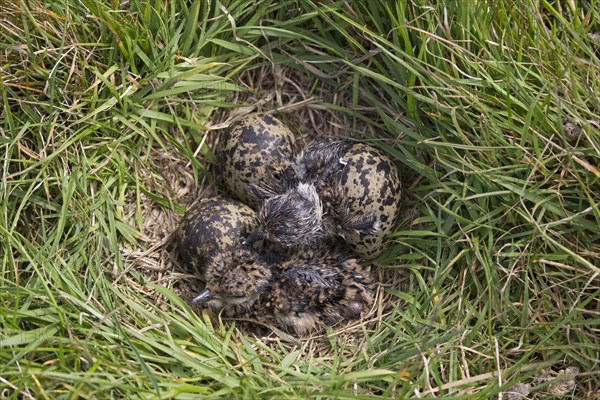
254,153
370,185
213,225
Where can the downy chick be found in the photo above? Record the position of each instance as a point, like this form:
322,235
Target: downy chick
235,282
320,208
317,290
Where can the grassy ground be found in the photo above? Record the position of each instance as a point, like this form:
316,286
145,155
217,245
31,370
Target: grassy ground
108,118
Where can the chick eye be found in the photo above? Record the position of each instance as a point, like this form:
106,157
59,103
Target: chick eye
281,231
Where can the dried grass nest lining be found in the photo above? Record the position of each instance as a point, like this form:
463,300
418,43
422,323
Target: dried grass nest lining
312,285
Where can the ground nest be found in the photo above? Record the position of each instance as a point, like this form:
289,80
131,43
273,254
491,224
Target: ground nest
171,175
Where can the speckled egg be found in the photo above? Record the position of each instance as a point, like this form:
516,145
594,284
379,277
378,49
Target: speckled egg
255,154
213,225
370,185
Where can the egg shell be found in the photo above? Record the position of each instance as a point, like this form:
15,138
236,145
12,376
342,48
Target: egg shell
213,225
252,151
370,183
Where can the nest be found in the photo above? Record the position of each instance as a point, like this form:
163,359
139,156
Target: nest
272,90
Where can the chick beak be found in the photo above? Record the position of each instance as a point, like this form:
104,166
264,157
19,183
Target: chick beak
204,296
254,237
